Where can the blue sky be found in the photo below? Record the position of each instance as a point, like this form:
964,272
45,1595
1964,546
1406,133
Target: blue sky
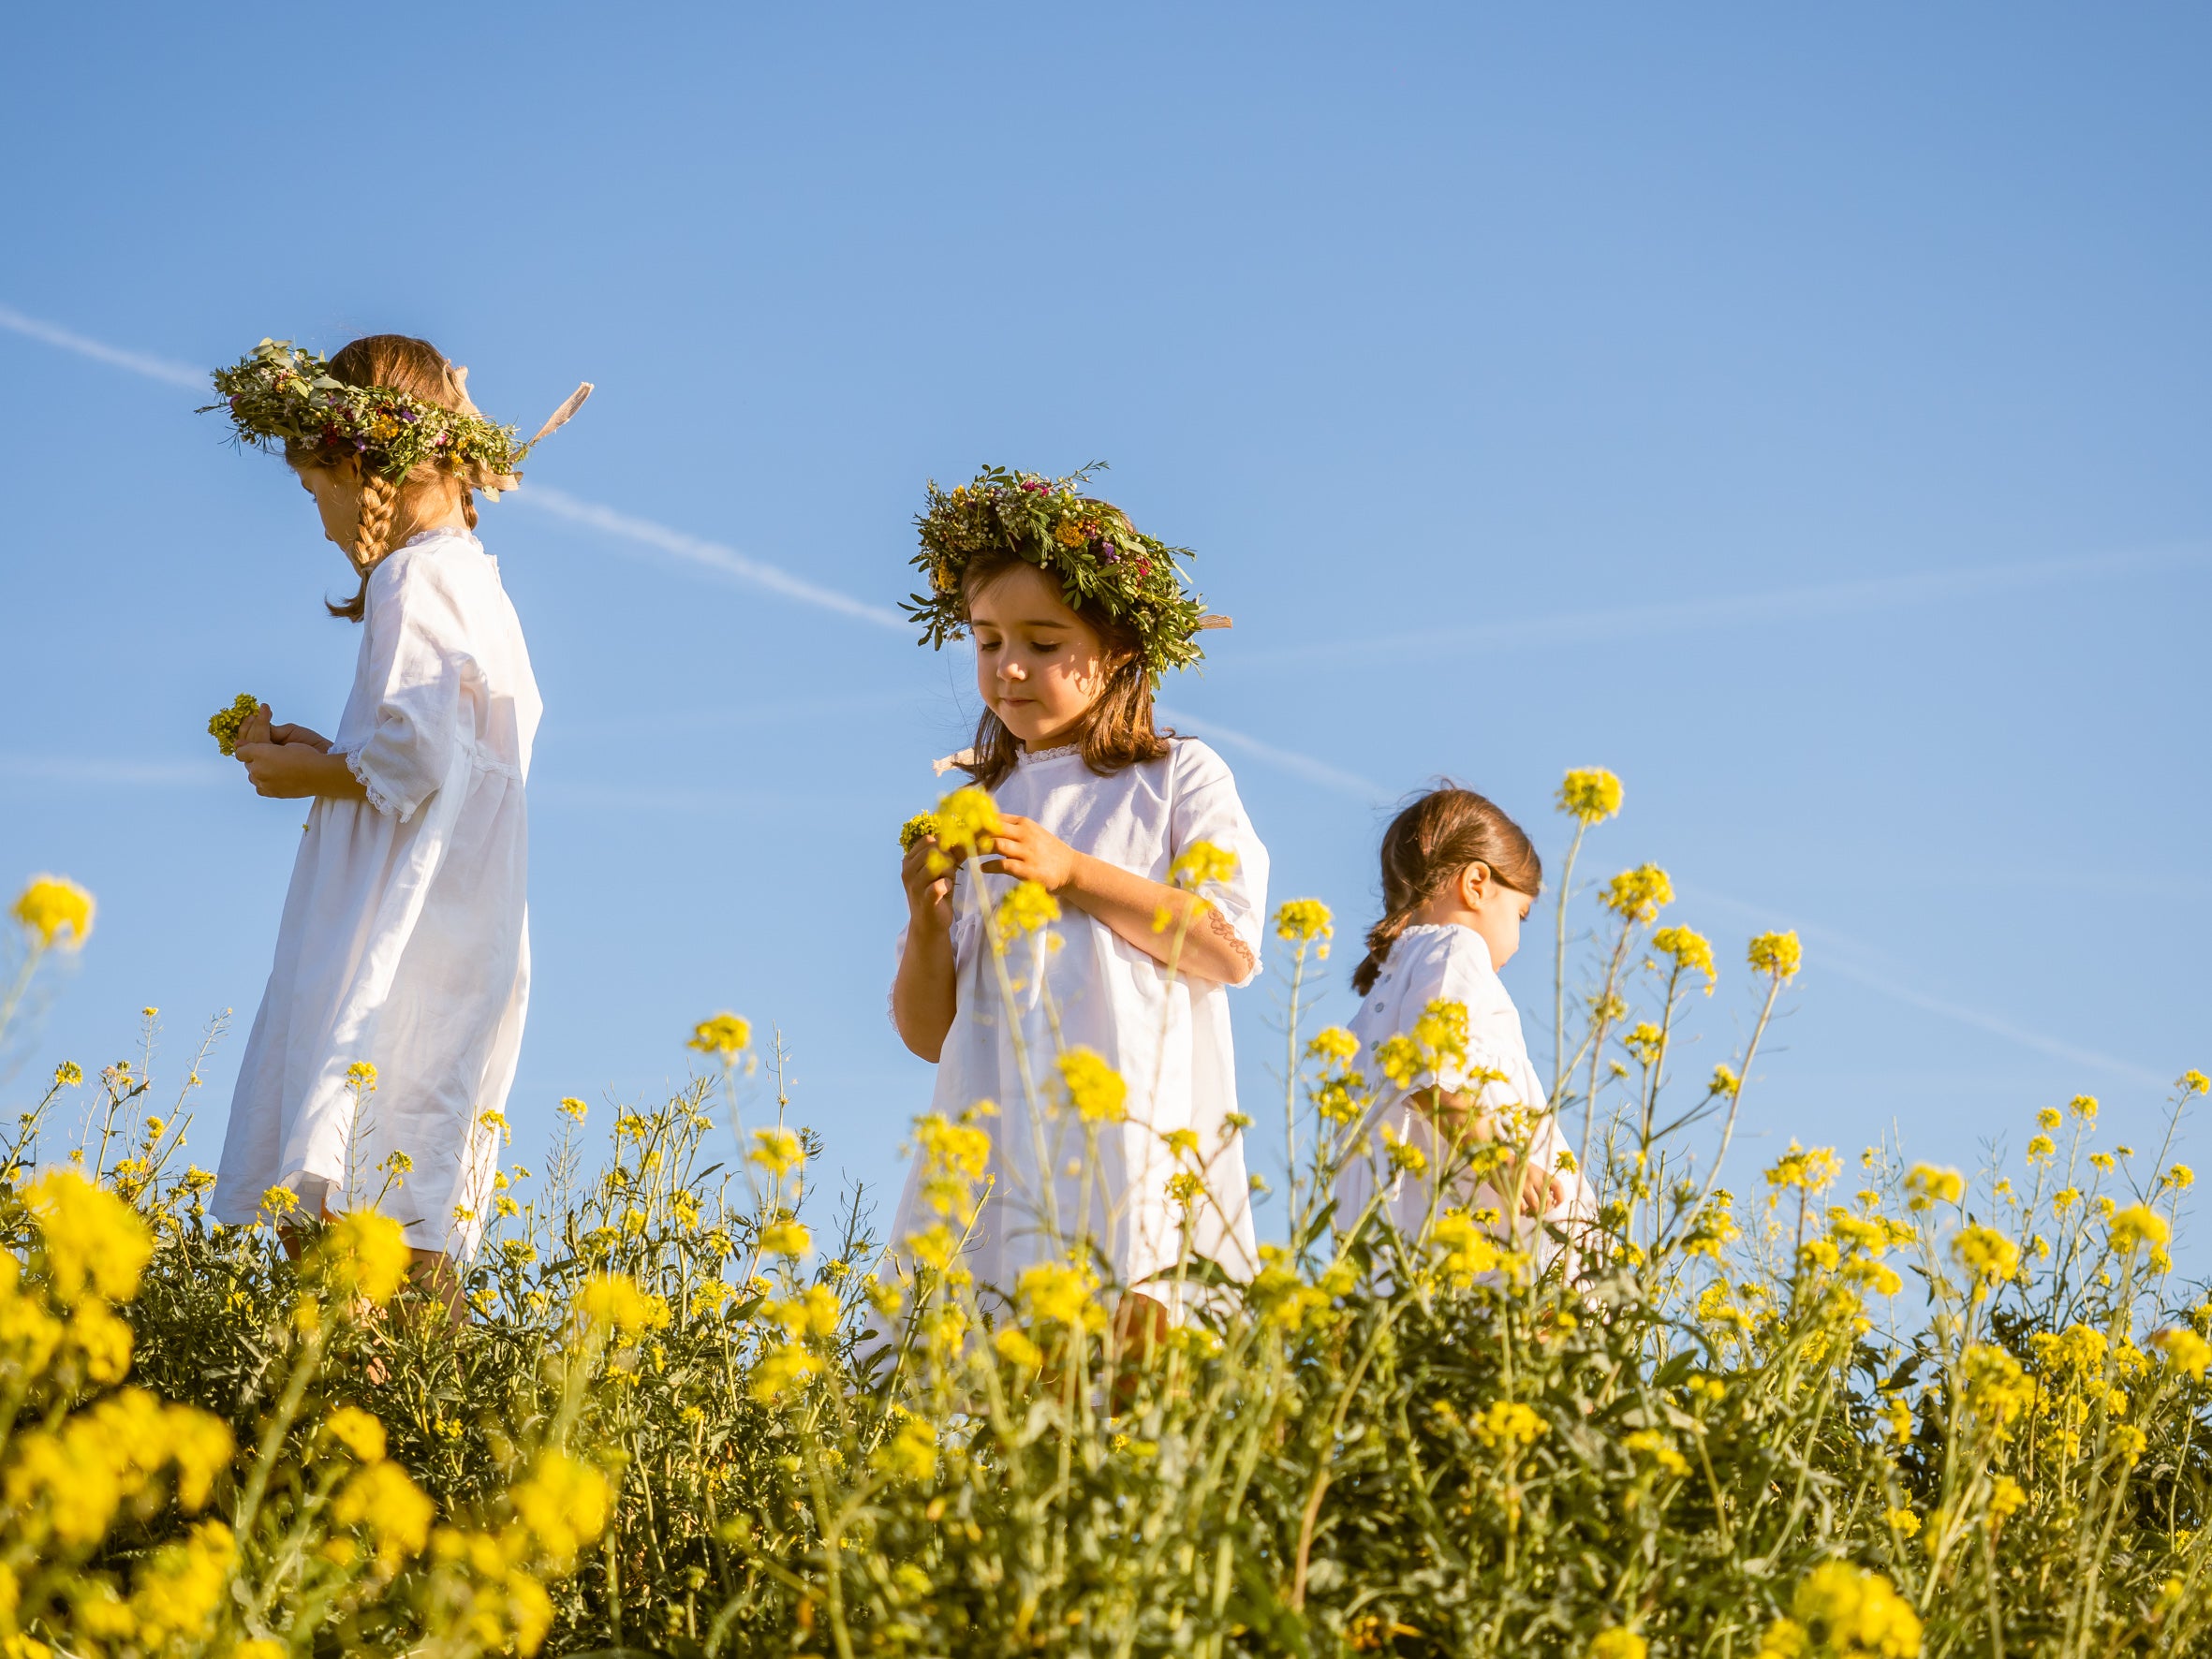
1802,414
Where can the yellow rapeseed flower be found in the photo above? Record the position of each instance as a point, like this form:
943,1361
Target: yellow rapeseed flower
1988,1254
1691,950
911,1453
89,1240
358,1432
1855,1612
1613,1643
2193,1082
1926,1185
2136,1226
1507,1424
1300,922
380,1499
2084,1106
52,906
725,1037
364,1254
1017,1350
1638,895
786,1238
1095,1089
572,1108
1061,1293
613,1303
563,1504
1591,794
966,821
2184,1350
1779,954
1201,865
1027,908
921,826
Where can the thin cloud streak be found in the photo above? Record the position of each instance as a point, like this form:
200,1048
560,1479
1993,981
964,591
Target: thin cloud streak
707,555
1840,953
137,362
1290,760
60,769
1828,600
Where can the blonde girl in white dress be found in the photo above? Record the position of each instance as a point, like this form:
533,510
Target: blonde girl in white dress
1458,879
379,1066
1074,614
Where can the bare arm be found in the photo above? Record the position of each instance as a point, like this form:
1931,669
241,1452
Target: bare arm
925,995
291,762
1461,1118
1197,939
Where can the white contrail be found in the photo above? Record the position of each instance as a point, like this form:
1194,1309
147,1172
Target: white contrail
1826,599
152,368
1836,955
708,555
1305,766
66,768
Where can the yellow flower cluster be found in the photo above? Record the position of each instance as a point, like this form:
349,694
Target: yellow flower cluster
1027,908
1778,954
1061,1293
1842,1610
223,725
1302,922
1201,865
921,826
1638,895
1925,1186
966,821
1095,1089
54,907
364,1254
1691,952
1507,1424
611,1304
725,1037
1591,794
910,1451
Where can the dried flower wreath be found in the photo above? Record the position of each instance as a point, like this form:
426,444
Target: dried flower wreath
1101,559
278,391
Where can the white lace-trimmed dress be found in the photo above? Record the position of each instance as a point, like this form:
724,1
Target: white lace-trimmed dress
1168,1038
406,935
1445,962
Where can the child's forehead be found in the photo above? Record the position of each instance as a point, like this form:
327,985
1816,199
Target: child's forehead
1022,597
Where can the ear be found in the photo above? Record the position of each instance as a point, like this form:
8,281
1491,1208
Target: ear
1474,884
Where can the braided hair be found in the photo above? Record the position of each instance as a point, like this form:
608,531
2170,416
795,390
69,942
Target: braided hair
1425,850
413,366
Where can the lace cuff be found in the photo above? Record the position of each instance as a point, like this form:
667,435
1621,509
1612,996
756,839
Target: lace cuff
379,798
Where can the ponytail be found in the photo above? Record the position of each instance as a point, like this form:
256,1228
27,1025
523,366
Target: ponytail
1424,851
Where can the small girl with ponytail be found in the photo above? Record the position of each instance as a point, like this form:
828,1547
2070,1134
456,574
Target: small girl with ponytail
1458,879
381,1060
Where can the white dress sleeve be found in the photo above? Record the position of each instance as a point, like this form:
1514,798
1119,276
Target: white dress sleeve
1205,808
1495,1043
416,664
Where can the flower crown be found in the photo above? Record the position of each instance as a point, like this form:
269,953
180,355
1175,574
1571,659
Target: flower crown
1103,562
278,391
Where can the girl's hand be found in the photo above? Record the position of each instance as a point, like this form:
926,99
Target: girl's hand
254,728
293,771
1027,851
300,736
929,897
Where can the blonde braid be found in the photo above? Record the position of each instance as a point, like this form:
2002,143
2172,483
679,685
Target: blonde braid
379,508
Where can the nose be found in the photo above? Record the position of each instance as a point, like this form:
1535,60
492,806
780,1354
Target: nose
1011,668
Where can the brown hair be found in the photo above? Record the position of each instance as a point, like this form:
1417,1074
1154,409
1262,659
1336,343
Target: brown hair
1118,730
1424,851
420,369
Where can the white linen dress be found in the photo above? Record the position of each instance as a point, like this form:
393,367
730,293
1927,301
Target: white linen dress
1446,962
1168,1038
406,935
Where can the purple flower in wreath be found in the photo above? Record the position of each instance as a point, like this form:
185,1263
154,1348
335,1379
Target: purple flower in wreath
404,414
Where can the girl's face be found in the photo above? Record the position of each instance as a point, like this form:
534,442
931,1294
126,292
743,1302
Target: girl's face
1495,911
1039,667
1480,900
337,498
